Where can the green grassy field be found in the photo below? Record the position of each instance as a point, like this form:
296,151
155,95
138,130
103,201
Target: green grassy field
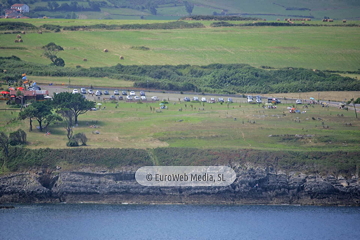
333,48
336,9
239,125
82,81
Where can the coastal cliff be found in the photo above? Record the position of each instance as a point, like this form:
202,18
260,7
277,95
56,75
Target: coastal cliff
253,185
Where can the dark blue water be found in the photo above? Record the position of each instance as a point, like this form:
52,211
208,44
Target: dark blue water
83,221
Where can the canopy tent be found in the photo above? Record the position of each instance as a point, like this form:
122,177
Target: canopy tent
20,88
11,88
5,92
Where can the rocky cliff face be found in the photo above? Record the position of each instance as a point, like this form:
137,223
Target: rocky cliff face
253,185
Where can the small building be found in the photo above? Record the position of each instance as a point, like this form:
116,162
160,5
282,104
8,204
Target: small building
11,13
37,95
23,8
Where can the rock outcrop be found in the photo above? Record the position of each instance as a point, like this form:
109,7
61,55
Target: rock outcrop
253,185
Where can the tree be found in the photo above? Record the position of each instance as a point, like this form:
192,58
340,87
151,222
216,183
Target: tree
4,144
59,62
74,6
68,116
188,7
153,10
29,112
152,7
52,6
73,15
50,51
354,102
40,111
75,103
51,118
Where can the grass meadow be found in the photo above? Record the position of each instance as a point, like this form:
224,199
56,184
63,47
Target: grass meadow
324,48
205,126
336,9
82,81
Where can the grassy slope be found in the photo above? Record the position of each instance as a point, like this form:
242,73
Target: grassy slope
337,9
333,48
133,125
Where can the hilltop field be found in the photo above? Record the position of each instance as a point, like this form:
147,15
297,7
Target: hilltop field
311,47
173,9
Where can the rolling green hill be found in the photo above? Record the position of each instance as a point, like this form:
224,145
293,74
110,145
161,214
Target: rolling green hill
311,47
173,9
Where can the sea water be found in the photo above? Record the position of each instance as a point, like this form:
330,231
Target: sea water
96,221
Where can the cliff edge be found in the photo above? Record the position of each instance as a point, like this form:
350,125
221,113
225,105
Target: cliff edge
253,185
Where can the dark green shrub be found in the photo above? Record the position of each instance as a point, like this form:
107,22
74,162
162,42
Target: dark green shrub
72,143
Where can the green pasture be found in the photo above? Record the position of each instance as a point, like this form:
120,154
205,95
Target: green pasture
268,9
82,81
332,48
234,126
336,9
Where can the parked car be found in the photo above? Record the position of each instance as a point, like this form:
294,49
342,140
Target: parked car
203,99
230,100
112,97
121,98
83,90
186,99
98,93
132,93
136,98
33,88
143,98
142,93
116,92
129,97
90,91
124,93
250,99
154,98
75,91
220,100
276,100
212,100
195,99
258,99
106,92
298,101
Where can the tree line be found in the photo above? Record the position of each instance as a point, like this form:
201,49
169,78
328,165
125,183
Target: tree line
215,78
54,6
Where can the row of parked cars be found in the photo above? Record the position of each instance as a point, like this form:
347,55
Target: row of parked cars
203,99
129,96
106,92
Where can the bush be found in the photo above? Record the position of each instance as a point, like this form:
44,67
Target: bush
80,137
17,138
72,143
